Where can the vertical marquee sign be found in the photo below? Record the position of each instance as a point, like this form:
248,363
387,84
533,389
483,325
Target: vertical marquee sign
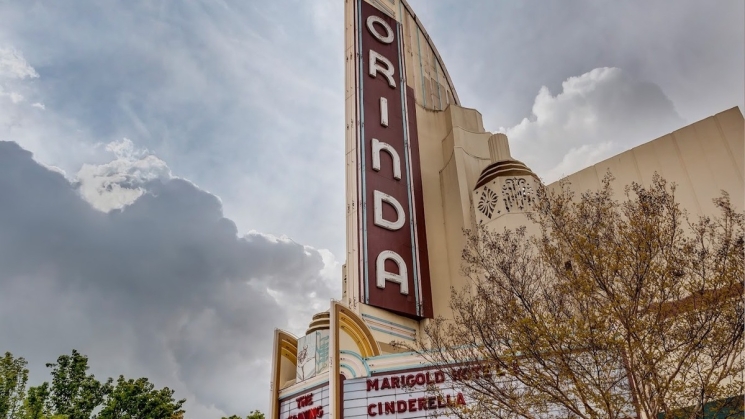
394,268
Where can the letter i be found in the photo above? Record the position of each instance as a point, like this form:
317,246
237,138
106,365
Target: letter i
383,111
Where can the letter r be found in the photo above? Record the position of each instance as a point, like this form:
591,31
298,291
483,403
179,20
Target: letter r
386,68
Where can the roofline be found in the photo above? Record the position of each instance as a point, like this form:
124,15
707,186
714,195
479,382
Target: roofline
434,48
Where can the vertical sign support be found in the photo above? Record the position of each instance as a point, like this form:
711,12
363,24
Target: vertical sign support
394,269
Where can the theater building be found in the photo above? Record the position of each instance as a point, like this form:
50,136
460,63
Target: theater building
419,169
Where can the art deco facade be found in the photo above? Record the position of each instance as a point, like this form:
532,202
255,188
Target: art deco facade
420,169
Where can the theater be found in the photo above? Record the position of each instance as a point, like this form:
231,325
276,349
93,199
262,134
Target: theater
420,168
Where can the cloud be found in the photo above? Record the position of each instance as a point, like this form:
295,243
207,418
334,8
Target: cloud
693,51
14,66
14,97
118,183
55,139
242,98
161,286
596,115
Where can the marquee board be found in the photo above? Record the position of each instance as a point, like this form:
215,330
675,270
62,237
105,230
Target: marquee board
431,393
414,394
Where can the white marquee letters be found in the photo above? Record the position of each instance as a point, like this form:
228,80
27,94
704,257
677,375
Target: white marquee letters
379,198
383,111
371,21
386,69
383,275
388,233
377,147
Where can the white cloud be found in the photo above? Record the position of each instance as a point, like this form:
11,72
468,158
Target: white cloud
120,182
15,97
14,66
596,115
579,158
54,138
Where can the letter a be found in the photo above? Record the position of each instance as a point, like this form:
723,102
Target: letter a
382,275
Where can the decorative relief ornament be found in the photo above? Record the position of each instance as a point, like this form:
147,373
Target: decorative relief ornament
488,202
517,194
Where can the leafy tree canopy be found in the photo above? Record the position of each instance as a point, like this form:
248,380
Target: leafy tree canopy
253,415
13,377
75,394
132,399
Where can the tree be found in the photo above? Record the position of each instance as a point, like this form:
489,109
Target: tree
35,406
613,309
139,399
73,393
13,378
253,415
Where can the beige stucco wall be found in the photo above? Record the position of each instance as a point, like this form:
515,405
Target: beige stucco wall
465,153
702,159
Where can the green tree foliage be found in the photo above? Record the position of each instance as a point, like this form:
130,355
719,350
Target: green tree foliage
132,399
253,415
13,377
74,393
35,405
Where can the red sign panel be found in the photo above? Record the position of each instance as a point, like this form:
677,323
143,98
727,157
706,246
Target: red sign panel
311,405
394,269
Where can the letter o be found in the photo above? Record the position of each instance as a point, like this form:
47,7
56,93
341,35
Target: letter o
420,379
371,21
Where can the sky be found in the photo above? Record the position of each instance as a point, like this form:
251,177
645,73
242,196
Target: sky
172,172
